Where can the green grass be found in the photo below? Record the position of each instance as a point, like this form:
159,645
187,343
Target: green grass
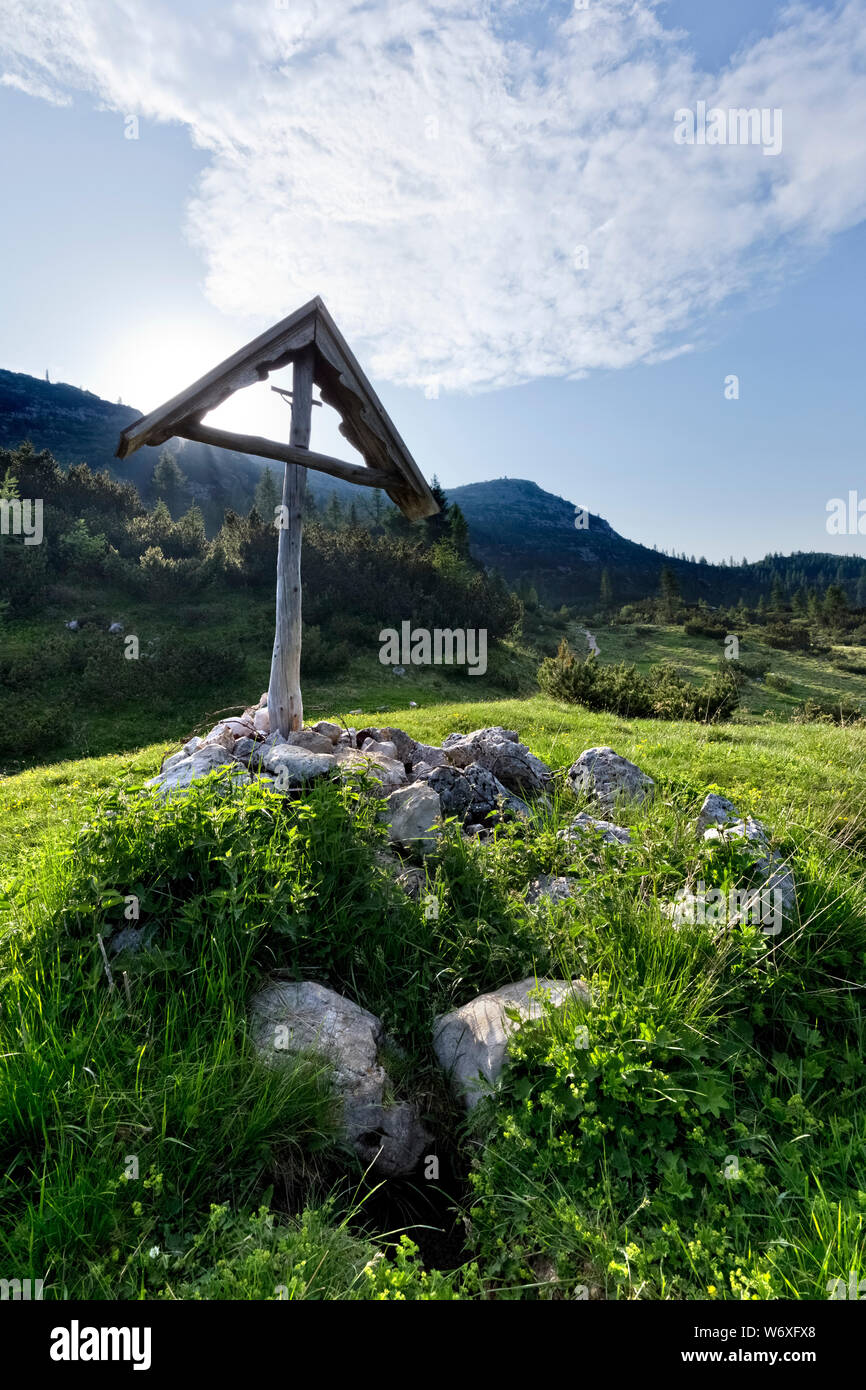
599,1169
75,695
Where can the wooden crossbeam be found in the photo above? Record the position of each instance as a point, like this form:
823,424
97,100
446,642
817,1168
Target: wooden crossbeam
284,453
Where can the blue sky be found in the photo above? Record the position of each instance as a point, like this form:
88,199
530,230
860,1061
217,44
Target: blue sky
437,204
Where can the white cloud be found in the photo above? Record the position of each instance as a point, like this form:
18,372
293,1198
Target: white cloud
430,167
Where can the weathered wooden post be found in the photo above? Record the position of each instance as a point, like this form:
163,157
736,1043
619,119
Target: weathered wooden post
309,340
285,704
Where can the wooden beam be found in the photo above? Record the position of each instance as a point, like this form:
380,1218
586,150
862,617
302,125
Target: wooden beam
285,706
267,353
284,453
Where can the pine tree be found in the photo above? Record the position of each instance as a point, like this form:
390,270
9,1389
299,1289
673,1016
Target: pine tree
605,590
267,496
437,526
170,484
458,531
334,512
669,591
835,604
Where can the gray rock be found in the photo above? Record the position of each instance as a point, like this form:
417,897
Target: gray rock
272,740
722,822
767,905
386,749
331,731
245,751
429,754
308,738
608,778
475,831
473,794
498,751
413,816
583,824
752,832
453,789
404,745
413,882
471,1043
194,743
489,795
202,762
222,736
307,1017
716,810
173,760
293,766
554,890
128,940
421,771
510,734
262,721
115,629
387,772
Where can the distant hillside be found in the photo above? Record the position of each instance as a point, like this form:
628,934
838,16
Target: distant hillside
530,536
77,426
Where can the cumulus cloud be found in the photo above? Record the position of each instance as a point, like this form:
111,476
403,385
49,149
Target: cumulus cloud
482,193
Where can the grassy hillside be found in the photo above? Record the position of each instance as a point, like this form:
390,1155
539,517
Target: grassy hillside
790,677
703,1047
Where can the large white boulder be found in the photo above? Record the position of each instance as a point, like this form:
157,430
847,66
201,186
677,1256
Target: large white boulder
292,1017
389,773
471,1043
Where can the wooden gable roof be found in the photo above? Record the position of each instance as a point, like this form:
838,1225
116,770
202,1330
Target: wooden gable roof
364,422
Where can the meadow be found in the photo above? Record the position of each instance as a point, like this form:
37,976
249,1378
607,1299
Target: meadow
709,1143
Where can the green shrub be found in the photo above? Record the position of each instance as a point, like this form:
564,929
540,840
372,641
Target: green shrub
774,681
622,689
841,711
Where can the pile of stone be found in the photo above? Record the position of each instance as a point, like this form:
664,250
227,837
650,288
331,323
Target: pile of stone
477,777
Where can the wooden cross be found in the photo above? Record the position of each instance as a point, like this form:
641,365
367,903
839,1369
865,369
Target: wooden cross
319,354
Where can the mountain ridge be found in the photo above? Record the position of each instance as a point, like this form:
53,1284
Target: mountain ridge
515,526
